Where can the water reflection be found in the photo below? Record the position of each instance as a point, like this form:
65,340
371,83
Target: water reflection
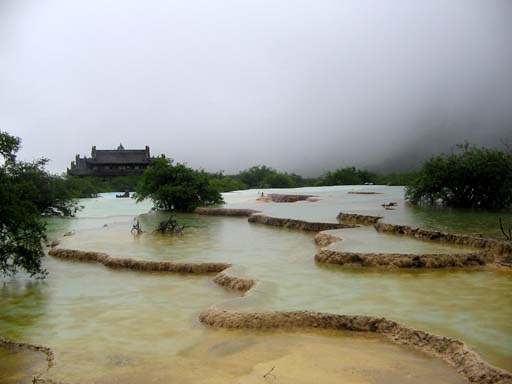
24,304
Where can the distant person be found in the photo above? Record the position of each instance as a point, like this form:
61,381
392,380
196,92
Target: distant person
136,227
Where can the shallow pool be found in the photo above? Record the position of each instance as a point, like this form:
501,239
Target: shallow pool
110,325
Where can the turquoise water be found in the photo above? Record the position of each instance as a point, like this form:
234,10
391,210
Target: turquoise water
335,199
108,324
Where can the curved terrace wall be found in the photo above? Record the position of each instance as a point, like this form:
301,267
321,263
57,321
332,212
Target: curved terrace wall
224,211
399,260
47,351
138,265
358,219
296,224
50,357
285,198
227,280
454,351
364,193
498,247
466,362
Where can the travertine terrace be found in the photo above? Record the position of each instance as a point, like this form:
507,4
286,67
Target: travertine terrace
454,351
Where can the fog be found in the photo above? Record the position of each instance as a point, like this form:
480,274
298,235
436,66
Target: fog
302,86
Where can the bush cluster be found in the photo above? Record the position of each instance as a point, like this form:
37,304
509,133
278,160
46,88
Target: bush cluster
471,178
27,192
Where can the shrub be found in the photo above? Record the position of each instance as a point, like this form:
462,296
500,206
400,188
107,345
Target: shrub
473,178
176,187
27,191
223,183
348,176
261,176
90,186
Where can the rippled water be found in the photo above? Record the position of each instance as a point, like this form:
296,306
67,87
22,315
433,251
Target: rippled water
108,325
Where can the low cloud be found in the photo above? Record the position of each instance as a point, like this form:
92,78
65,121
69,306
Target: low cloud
302,86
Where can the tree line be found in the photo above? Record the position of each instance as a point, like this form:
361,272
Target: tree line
256,177
470,177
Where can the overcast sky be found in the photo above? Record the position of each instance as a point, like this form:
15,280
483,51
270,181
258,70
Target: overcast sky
302,86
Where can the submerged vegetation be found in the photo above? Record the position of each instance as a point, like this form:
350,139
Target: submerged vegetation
507,233
170,227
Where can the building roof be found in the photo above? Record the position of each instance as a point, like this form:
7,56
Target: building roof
124,156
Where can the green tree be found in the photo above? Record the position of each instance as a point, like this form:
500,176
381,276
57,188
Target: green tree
254,177
9,146
90,186
278,180
49,193
27,191
261,176
224,183
396,178
473,177
21,231
83,187
176,187
348,176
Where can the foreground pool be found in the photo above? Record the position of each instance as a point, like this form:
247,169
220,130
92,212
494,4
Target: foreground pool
109,325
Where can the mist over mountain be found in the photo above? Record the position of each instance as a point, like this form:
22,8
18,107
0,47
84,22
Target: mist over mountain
436,141
301,86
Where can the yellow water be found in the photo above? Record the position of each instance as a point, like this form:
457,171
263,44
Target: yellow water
19,366
110,325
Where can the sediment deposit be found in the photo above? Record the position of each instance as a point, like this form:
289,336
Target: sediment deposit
454,351
323,239
283,198
224,211
498,247
6,343
47,351
296,224
358,219
138,265
237,283
399,260
363,193
39,380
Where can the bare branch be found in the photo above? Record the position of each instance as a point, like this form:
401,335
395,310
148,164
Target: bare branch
509,235
269,373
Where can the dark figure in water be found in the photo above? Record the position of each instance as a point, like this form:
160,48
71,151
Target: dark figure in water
136,227
388,206
125,194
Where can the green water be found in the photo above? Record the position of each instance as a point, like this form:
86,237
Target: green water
335,199
109,325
